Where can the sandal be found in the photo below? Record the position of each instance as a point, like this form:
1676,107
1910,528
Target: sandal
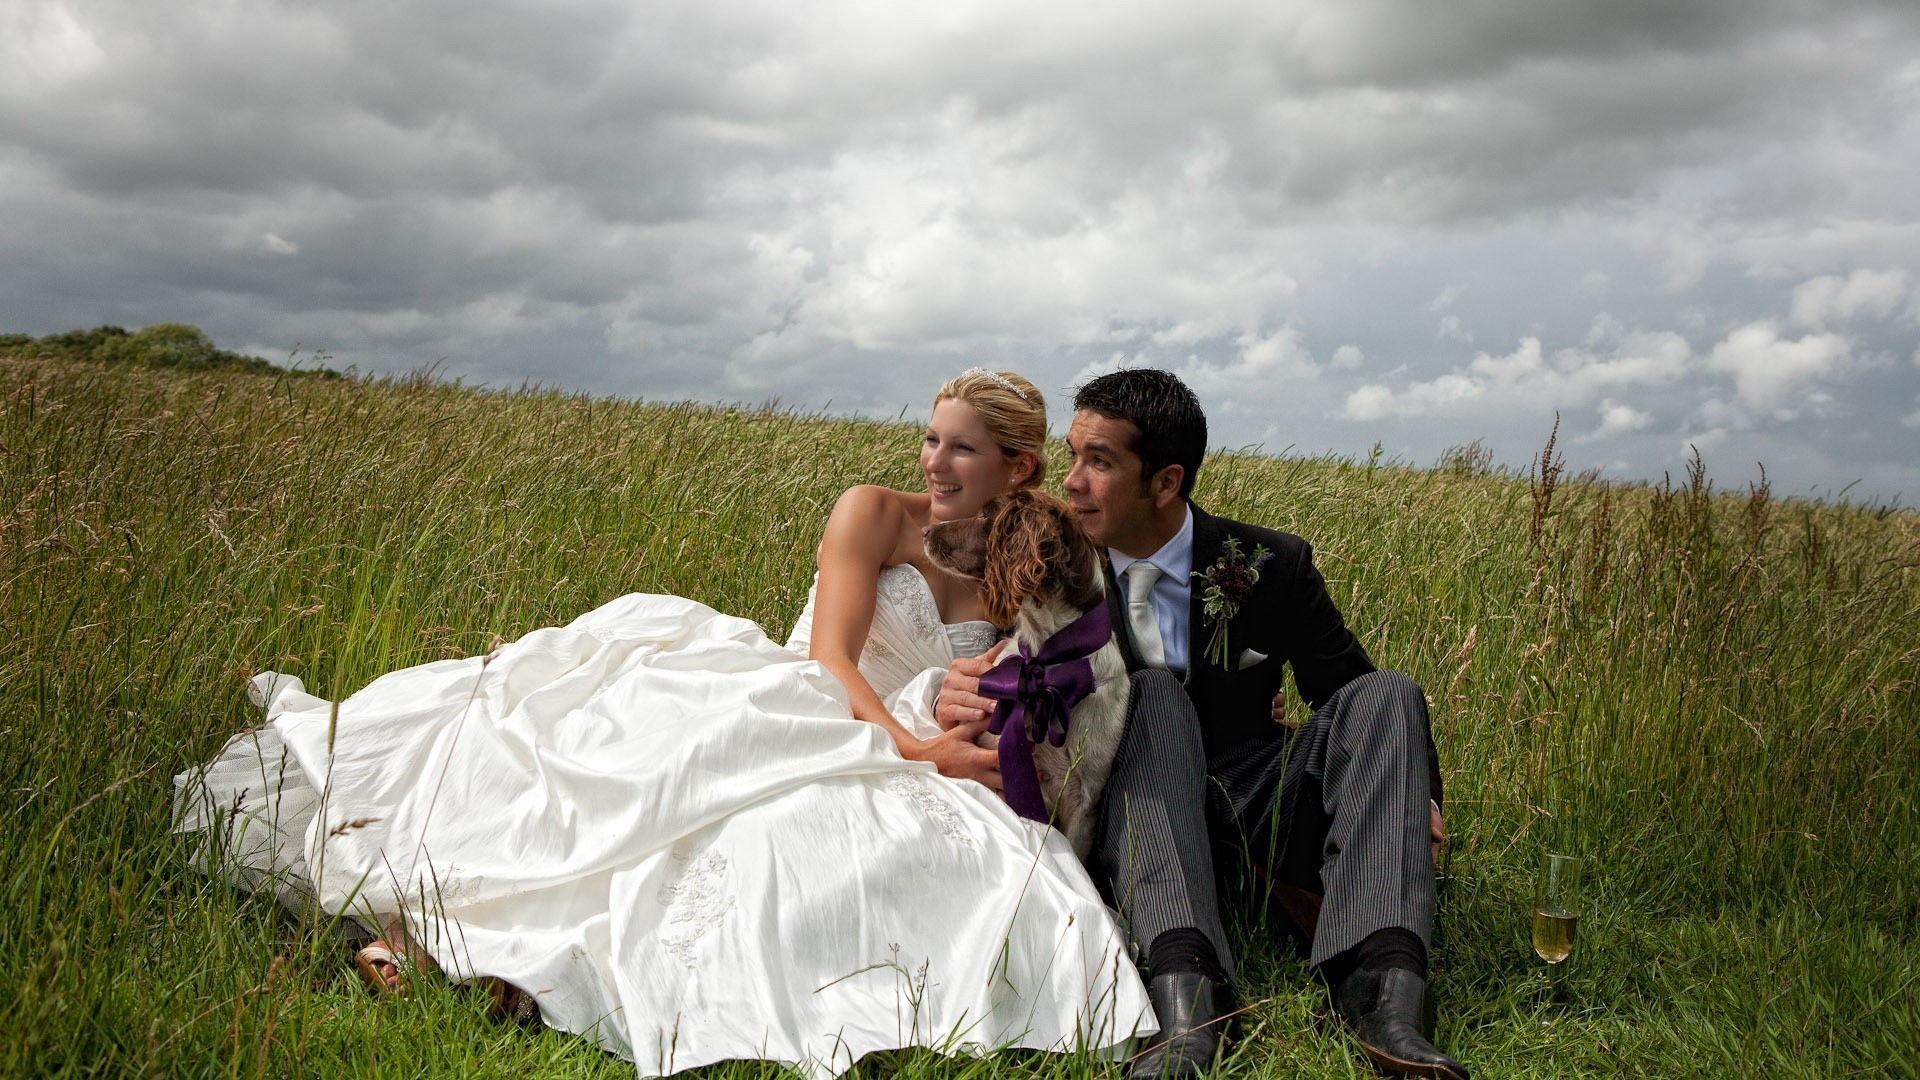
383,970
508,1003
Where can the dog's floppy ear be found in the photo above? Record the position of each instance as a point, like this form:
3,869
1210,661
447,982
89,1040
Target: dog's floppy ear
1016,558
959,547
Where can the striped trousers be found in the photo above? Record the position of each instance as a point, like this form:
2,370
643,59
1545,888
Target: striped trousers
1338,807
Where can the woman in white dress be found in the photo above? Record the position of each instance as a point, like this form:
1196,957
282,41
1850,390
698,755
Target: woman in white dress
690,843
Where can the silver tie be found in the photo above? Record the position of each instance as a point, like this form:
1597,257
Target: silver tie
1140,621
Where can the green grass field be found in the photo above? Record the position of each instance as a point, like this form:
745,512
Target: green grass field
1711,697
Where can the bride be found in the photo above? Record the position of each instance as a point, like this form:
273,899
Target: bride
692,844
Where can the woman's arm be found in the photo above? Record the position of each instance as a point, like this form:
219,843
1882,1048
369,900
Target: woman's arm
863,533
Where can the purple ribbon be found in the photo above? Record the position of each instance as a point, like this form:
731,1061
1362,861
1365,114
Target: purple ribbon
1036,695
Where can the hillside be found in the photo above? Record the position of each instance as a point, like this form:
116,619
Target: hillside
1711,696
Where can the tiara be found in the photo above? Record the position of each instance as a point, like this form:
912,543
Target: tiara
1005,383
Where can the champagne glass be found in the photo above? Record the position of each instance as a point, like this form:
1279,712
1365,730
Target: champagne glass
1556,907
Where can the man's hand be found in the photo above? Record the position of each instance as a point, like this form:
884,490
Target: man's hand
959,701
1438,829
1280,710
954,754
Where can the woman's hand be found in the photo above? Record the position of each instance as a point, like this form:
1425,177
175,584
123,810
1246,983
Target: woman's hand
954,754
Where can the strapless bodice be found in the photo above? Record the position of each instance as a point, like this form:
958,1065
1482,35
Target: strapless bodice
907,636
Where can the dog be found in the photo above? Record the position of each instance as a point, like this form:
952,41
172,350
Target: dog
1038,574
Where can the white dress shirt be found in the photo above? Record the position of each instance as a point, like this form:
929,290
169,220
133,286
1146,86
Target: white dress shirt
1172,594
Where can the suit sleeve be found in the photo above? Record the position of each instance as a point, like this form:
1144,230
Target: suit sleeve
1327,655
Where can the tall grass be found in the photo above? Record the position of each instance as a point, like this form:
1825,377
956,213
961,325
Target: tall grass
1711,696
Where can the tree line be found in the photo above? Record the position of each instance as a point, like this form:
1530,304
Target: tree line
162,345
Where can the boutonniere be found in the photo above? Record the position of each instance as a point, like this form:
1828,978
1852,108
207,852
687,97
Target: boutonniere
1229,582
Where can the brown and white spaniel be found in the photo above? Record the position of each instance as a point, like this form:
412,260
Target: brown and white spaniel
1039,574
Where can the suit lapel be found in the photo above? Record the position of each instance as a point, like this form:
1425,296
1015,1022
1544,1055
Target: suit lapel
1208,536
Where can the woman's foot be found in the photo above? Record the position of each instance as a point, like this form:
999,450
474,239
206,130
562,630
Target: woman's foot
510,1004
381,969
387,961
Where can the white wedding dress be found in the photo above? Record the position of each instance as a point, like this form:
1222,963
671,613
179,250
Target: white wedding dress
671,830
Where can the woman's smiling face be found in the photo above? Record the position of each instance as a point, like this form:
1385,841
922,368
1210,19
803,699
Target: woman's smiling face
964,467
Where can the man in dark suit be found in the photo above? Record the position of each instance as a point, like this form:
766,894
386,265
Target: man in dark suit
1329,824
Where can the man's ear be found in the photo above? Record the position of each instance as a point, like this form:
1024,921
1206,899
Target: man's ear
1165,485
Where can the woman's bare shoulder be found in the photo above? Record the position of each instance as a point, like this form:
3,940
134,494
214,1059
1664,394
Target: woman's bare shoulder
871,499
876,518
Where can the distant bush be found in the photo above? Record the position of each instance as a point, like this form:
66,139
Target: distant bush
162,345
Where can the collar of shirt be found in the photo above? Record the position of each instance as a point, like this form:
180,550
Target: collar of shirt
1173,593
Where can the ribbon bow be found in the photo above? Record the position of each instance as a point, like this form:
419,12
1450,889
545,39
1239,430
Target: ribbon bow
1036,695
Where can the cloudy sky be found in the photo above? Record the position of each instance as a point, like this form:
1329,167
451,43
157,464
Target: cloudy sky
1676,222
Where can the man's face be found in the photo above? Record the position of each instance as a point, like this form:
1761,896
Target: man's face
1104,485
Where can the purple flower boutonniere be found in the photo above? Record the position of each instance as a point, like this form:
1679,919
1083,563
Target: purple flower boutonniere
1229,581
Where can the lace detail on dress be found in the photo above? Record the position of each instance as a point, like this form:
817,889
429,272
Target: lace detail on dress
910,787
972,638
903,588
694,903
878,649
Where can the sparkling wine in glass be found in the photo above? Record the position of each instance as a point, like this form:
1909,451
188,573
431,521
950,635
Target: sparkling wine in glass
1556,907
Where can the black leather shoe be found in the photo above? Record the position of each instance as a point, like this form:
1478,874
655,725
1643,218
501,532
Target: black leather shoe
1193,1012
1384,1012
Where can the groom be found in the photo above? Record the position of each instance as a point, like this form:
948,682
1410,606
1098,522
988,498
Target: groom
1329,824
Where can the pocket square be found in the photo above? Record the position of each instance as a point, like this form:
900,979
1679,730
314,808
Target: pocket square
1249,658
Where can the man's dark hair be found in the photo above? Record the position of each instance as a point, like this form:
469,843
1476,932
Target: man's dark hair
1169,428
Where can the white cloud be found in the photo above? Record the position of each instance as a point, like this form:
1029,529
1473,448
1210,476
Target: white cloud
1451,330
1350,356
1375,401
1527,378
1779,375
1619,419
1517,366
1369,403
1603,329
1274,359
1703,441
1278,354
1830,299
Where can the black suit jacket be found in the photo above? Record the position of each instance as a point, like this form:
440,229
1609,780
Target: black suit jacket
1289,617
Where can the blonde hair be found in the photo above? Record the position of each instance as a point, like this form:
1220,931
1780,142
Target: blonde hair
1011,408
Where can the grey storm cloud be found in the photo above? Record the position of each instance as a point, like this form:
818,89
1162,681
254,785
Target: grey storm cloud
1676,224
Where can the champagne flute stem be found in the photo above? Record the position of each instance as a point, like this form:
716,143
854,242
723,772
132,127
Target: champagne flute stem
1557,981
